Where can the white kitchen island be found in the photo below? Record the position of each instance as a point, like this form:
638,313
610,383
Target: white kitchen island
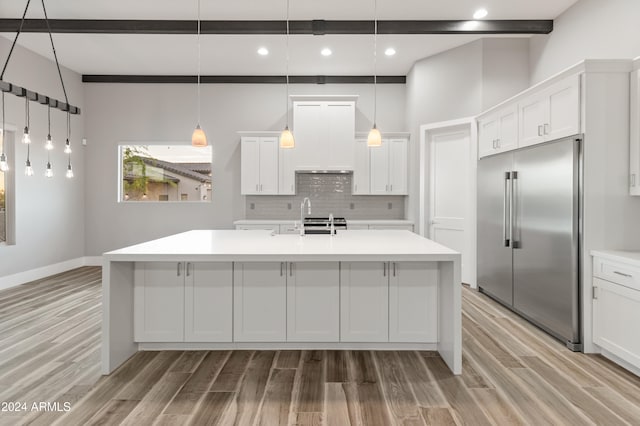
205,289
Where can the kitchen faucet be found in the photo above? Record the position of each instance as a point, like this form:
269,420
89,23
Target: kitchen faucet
305,201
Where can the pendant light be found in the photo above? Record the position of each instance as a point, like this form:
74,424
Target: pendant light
48,144
4,164
67,147
26,139
198,138
375,138
286,137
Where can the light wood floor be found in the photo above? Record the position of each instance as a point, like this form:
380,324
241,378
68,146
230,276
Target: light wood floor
513,374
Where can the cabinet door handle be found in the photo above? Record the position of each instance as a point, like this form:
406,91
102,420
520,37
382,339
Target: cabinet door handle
493,144
594,293
623,274
546,128
540,130
188,268
179,268
394,269
256,187
498,144
384,269
290,269
391,188
281,268
633,180
260,187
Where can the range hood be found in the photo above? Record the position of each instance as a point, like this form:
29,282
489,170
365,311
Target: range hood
339,172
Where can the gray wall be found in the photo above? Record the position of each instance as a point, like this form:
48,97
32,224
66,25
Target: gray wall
595,29
136,113
49,212
459,83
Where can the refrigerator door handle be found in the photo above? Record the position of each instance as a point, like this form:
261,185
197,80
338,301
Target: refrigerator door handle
513,201
506,209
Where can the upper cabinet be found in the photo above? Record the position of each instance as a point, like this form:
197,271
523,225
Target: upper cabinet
634,169
388,167
540,114
324,130
259,165
361,168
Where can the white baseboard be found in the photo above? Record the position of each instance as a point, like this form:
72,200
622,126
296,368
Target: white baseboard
14,280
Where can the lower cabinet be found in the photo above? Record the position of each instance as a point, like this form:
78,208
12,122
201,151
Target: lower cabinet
364,302
313,302
260,302
182,302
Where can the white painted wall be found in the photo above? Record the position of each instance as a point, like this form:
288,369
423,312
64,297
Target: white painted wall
49,212
590,29
167,113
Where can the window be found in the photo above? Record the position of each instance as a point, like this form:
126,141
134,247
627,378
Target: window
165,173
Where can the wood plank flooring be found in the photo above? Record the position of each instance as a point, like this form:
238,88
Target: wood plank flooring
513,374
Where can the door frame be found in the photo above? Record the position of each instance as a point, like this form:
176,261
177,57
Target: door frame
426,133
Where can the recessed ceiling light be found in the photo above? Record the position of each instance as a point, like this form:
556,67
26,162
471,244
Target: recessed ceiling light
263,51
390,51
326,52
480,13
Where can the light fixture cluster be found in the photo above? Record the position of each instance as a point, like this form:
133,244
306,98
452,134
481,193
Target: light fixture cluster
32,96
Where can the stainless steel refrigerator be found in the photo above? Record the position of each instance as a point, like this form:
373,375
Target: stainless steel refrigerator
529,213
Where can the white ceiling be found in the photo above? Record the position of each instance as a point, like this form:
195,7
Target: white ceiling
236,54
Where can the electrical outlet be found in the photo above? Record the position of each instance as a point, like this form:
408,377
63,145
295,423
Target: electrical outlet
351,206
252,206
389,206
84,141
288,206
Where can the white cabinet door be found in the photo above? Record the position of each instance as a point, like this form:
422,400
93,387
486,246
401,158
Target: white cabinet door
159,302
310,136
250,165
397,167
313,301
287,172
364,302
616,314
260,310
379,169
564,109
507,129
487,135
532,116
208,302
269,152
413,302
634,169
340,131
361,168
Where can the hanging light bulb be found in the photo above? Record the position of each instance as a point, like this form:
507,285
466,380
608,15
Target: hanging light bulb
375,138
198,138
48,171
69,171
67,147
28,170
26,139
48,144
286,137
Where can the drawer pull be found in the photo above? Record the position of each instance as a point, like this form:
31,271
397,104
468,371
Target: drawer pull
623,274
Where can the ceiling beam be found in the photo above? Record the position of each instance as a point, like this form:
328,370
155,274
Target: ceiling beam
244,79
315,27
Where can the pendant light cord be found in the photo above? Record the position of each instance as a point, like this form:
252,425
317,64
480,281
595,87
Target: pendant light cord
55,55
26,112
4,68
2,151
375,61
49,135
287,69
199,62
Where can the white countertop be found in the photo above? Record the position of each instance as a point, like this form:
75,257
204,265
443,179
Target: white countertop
354,222
261,245
630,257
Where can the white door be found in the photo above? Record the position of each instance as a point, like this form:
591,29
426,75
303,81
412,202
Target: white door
449,200
269,165
208,302
309,135
159,302
398,166
259,300
379,168
413,302
564,109
340,127
364,302
531,117
313,302
361,168
250,165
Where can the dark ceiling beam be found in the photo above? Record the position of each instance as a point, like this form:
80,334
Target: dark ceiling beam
315,27
244,79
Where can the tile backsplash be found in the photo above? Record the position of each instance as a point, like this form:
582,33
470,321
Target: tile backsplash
329,193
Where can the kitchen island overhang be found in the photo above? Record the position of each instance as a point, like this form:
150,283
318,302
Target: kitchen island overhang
347,272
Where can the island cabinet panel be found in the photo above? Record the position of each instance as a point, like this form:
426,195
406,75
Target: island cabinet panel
413,302
313,302
260,307
208,302
159,302
364,302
